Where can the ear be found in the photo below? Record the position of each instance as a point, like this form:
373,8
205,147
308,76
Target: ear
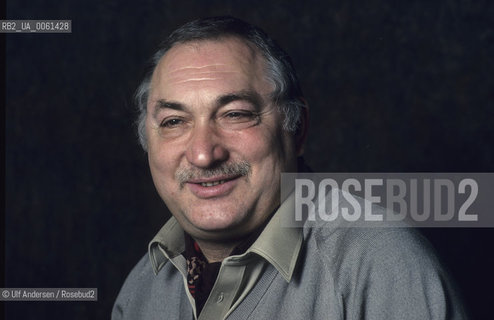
301,133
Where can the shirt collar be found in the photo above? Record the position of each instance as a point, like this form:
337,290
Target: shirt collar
278,245
167,244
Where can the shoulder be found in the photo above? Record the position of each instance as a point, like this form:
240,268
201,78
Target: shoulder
137,278
143,293
368,244
348,251
386,272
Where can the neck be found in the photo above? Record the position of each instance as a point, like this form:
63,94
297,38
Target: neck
216,252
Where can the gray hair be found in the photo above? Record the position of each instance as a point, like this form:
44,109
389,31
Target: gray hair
287,93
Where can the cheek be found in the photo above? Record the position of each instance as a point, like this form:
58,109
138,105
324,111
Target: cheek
161,165
163,179
254,145
157,163
263,149
162,156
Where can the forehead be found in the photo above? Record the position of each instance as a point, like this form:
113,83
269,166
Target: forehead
229,63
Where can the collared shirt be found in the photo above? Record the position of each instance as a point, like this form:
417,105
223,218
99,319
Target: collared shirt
347,273
276,245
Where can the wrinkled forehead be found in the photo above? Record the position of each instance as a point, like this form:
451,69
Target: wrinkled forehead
222,56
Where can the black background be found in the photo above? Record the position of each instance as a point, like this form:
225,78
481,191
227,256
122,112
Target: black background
393,87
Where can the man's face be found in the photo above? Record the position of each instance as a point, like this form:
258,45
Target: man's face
215,140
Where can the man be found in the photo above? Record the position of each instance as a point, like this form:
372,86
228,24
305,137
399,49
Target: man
222,116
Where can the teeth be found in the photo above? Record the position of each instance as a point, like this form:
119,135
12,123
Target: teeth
210,184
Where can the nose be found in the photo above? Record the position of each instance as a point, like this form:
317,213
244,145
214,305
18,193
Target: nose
205,148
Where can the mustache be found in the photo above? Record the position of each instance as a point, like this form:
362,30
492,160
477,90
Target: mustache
240,168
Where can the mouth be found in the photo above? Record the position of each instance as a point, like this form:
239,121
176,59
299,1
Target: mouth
213,187
212,184
213,181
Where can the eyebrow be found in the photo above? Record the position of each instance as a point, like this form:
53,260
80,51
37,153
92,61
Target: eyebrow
163,104
247,95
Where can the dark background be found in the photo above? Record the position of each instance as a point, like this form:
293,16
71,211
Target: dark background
393,87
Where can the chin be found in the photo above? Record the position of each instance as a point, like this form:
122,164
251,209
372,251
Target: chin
218,226
215,225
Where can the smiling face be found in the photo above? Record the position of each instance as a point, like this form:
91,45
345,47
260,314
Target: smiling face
216,146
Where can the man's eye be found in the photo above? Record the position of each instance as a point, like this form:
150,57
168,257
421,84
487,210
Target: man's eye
170,123
240,115
238,119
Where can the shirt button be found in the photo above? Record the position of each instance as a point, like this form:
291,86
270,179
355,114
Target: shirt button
220,297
